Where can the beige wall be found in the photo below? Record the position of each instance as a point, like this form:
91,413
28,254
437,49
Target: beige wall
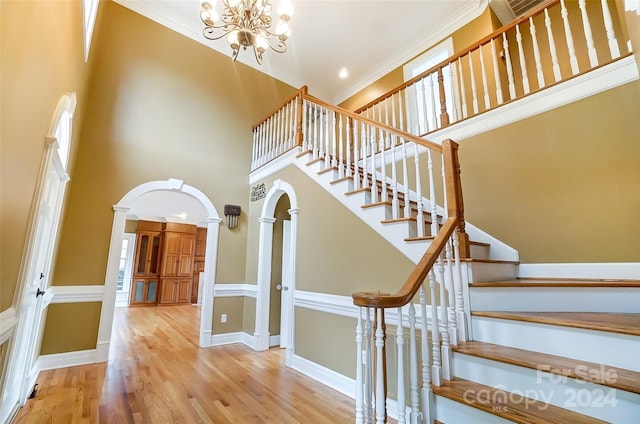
233,308
71,327
561,186
41,60
161,106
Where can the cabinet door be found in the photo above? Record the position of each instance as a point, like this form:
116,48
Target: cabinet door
138,290
171,254
187,248
183,294
167,292
152,291
194,288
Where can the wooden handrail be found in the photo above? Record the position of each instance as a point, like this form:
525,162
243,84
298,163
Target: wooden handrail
409,137
303,90
455,220
537,10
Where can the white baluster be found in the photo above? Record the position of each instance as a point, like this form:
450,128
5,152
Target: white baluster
374,180
451,311
474,92
316,116
400,398
436,368
523,62
611,35
496,72
327,140
427,394
591,48
395,203
285,127
573,60
512,85
401,110
434,110
341,150
279,132
425,109
455,102
445,358
485,85
368,376
364,143
557,75
413,366
383,158
536,53
405,180
271,139
463,94
334,156
356,156
380,394
461,317
253,150
359,379
263,144
420,215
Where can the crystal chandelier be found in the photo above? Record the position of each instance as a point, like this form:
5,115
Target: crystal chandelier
247,23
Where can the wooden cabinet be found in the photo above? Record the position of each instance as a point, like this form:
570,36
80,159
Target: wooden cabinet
168,257
198,262
146,267
178,251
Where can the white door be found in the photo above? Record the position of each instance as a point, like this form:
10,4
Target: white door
40,255
286,304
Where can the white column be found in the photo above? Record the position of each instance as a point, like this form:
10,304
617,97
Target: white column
359,379
381,401
293,246
211,255
261,333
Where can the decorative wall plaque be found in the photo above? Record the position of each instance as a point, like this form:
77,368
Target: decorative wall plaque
258,192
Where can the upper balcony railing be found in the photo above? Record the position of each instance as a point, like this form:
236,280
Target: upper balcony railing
554,43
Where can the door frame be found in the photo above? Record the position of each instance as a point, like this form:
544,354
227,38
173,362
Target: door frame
24,339
265,252
117,233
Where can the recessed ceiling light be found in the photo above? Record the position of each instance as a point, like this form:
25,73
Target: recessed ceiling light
343,73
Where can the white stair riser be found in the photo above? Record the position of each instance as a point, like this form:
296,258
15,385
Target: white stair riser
586,398
554,299
343,186
479,251
451,412
618,350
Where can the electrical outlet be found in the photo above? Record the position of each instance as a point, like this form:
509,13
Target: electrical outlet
223,318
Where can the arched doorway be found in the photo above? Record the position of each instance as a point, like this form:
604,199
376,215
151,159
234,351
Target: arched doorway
117,230
265,255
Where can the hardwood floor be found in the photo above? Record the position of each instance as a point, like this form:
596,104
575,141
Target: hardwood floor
158,374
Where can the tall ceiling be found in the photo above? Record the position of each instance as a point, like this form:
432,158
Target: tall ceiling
367,37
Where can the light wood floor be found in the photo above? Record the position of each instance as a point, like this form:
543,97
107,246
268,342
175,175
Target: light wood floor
158,374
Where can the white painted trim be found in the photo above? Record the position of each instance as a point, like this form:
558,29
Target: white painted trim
324,375
274,341
76,294
67,359
605,78
327,303
608,270
274,166
8,323
235,290
230,338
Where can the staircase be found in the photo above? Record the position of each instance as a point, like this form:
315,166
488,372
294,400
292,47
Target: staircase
476,343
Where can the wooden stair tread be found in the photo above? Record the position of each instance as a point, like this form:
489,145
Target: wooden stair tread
401,219
339,180
623,323
430,238
303,153
559,282
617,378
328,169
512,408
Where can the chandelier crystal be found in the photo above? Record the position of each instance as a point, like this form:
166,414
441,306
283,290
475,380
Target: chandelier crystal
247,23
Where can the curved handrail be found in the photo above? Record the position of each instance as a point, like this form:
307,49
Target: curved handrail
303,91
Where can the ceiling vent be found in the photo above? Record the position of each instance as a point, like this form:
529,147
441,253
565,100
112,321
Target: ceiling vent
508,10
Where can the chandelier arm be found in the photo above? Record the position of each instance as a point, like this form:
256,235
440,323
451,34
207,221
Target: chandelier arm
209,30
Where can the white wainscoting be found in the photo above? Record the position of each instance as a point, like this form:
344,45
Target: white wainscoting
8,322
235,290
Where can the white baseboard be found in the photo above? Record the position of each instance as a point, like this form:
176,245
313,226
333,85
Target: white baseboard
324,375
67,359
237,337
606,270
274,340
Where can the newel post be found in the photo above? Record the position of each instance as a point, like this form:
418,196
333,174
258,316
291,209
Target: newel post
444,116
454,192
299,106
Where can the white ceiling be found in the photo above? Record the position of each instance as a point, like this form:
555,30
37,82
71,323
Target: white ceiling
368,37
168,206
